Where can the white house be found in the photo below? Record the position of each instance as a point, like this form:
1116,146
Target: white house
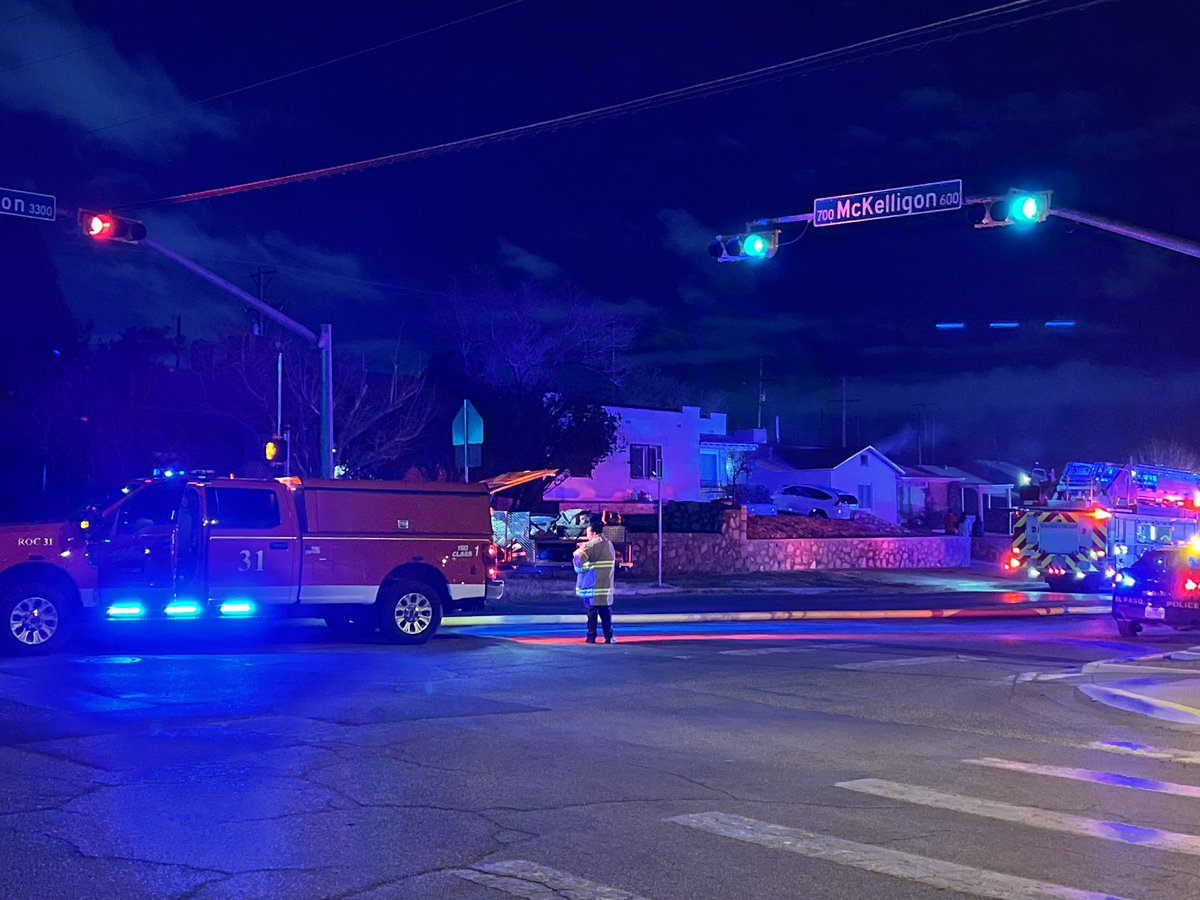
867,474
693,452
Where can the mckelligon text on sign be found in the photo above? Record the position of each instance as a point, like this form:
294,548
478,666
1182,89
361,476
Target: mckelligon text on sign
28,205
889,203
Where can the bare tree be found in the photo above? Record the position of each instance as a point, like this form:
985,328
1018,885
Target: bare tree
377,417
1168,452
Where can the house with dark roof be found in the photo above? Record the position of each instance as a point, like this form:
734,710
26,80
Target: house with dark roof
866,473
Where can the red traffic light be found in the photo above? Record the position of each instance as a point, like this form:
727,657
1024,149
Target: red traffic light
99,226
102,226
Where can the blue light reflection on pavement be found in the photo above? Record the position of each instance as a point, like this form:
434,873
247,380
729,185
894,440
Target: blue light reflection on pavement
1130,834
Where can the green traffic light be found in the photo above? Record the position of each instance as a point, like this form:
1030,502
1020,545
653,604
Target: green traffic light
755,246
1025,208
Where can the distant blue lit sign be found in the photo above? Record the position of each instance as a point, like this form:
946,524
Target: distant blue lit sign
890,203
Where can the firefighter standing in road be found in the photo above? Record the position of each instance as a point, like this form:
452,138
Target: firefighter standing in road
595,561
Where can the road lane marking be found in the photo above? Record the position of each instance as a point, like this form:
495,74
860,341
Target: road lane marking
522,878
1130,748
1093,776
1052,820
881,860
763,651
910,661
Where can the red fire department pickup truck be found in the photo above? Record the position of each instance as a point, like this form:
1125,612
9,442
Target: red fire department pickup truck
361,555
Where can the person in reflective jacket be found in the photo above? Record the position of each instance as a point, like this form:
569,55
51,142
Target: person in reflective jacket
595,561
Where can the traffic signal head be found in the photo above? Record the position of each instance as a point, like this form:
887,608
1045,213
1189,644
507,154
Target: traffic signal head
103,226
275,449
736,247
1017,208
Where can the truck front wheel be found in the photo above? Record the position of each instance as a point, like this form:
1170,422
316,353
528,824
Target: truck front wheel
409,612
36,619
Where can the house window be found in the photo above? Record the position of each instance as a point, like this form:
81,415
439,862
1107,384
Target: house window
644,460
865,498
862,459
709,469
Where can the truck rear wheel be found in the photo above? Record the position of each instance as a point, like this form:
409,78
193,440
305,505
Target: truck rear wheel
409,612
36,619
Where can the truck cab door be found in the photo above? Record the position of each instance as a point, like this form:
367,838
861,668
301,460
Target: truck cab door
190,547
135,557
253,552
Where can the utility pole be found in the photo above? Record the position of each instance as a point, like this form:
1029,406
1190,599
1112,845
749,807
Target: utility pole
843,412
659,475
324,343
261,277
761,393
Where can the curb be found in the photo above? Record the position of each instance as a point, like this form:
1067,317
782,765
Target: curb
1131,701
778,616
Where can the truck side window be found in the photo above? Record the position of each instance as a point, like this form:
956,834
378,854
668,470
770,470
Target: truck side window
243,508
157,504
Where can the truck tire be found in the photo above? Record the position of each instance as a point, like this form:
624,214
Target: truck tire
36,619
1128,629
356,623
409,612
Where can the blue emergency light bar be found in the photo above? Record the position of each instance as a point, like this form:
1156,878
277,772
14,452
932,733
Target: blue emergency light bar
237,608
1061,323
1004,324
126,610
950,326
183,608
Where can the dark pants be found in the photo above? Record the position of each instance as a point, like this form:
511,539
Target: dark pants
605,615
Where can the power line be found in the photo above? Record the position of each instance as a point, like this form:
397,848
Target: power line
322,274
34,62
312,68
920,36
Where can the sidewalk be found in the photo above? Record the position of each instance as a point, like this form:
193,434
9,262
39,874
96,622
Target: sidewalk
980,577
1161,685
832,595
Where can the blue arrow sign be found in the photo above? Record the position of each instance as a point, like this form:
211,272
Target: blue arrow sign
890,203
28,206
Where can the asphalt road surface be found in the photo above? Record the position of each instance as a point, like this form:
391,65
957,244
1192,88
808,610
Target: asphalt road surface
815,760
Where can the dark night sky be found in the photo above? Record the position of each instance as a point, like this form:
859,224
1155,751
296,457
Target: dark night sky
1101,105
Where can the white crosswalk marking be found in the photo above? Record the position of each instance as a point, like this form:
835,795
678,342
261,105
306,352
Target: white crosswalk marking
522,878
1091,775
1029,815
933,872
1131,749
909,661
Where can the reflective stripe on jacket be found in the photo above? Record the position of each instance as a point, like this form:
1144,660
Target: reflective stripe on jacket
594,565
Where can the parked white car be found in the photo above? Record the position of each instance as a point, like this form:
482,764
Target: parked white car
820,503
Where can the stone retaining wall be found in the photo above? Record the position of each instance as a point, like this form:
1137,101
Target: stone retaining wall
731,552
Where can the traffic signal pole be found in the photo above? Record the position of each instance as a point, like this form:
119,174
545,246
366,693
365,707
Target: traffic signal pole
324,343
1146,235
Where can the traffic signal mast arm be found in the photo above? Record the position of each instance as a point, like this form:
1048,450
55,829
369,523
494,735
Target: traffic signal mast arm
324,343
249,299
1171,242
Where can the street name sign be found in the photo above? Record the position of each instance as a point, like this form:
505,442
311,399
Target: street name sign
43,207
891,203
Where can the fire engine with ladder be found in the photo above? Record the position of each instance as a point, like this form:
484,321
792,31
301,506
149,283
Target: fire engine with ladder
1100,518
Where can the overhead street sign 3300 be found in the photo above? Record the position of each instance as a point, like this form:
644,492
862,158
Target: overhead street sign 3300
27,205
890,203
